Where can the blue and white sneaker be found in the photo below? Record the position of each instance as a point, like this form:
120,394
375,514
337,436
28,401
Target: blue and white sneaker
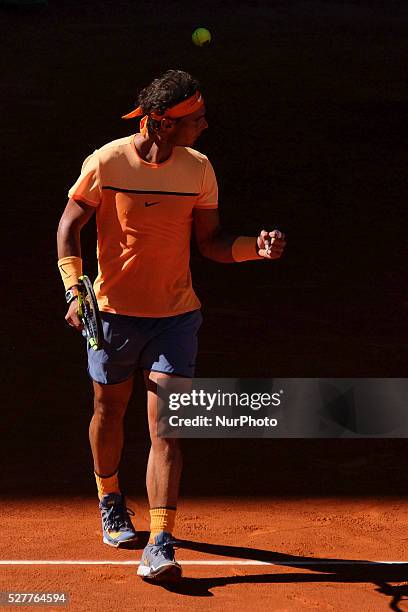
117,527
158,562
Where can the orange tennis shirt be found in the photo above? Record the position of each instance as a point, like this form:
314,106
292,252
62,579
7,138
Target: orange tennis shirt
144,216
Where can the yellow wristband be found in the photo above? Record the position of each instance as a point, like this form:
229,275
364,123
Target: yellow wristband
70,269
244,248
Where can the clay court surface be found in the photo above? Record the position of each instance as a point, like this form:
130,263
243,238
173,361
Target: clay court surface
307,109
291,554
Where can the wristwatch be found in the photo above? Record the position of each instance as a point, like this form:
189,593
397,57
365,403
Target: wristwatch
71,294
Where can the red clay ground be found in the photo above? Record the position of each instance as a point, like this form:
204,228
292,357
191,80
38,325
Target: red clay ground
307,538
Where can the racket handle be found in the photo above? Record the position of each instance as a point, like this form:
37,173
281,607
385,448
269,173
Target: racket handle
93,344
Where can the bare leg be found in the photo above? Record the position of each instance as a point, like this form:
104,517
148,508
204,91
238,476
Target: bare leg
106,427
165,458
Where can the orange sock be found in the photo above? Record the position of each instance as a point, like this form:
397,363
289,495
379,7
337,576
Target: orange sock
107,485
161,519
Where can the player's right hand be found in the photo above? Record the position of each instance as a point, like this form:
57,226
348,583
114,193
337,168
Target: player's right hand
72,317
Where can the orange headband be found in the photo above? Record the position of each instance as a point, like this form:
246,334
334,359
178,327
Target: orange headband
187,107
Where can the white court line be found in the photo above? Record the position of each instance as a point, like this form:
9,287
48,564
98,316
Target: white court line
199,562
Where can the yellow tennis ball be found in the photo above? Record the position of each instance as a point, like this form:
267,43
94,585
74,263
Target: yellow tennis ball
201,37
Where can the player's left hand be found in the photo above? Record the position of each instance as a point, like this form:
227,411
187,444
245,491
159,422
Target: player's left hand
271,244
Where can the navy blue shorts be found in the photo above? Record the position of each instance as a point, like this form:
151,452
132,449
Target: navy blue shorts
165,344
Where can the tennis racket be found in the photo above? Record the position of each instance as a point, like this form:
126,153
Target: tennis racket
88,312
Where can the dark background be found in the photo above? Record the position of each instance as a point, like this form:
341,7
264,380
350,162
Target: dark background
307,105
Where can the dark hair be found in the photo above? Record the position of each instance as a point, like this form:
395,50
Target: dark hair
166,91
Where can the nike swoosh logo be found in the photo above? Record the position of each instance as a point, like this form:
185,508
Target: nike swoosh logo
123,345
64,271
151,203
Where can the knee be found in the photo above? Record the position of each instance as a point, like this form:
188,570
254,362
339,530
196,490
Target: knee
169,447
109,411
110,401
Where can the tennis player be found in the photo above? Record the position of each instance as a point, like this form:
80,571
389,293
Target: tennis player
148,190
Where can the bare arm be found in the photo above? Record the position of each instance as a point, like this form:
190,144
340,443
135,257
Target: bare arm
212,241
74,217
216,244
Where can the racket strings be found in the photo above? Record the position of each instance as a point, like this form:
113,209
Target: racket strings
88,312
